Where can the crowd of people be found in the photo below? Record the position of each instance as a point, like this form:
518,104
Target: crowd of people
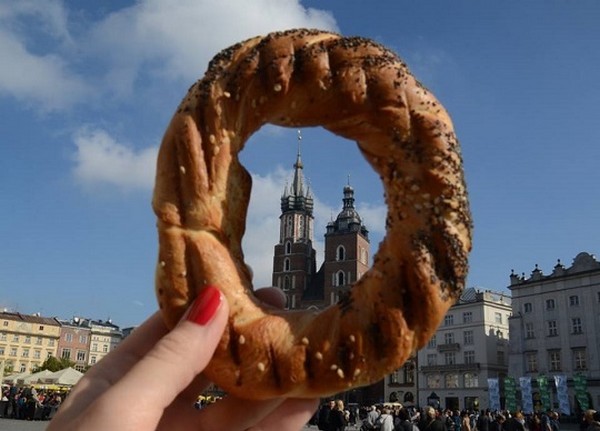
29,403
332,416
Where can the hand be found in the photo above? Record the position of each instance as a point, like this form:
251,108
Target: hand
152,379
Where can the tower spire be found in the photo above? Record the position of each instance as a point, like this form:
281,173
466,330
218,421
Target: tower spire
298,185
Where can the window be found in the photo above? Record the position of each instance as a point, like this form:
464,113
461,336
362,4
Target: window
468,337
5,323
1,350
83,339
286,264
340,278
531,362
434,381
105,348
554,360
94,347
51,342
467,317
498,317
2,336
13,351
340,253
579,360
68,337
27,339
432,342
449,358
38,341
448,338
25,353
576,327
41,328
471,380
550,304
529,331
448,320
66,354
93,360
528,307
81,355
552,328
288,247
500,357
287,285
15,338
431,359
469,356
573,300
451,380
23,368
37,354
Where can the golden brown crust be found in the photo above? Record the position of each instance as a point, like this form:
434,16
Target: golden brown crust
354,88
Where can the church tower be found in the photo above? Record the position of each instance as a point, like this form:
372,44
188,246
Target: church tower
346,250
294,260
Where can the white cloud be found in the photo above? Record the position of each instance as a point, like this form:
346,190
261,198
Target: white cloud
100,159
175,40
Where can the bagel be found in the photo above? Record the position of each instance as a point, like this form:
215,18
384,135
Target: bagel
359,90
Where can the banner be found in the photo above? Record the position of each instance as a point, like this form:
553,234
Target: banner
544,393
510,394
581,391
560,380
494,393
526,395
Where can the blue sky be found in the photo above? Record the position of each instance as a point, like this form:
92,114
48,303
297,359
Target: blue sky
87,89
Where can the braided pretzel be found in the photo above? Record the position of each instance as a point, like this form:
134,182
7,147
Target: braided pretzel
357,89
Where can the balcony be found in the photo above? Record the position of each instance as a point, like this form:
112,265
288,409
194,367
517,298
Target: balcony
448,347
476,366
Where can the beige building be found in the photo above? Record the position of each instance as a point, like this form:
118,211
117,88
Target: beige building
105,336
555,326
470,346
26,341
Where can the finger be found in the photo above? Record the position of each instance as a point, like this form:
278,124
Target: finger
272,296
170,366
113,366
293,414
230,413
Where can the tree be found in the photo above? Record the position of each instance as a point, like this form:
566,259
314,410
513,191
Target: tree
54,364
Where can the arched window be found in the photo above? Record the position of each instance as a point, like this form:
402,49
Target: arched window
286,283
340,253
340,279
286,265
288,247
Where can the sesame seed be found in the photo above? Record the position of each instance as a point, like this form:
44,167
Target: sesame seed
333,367
261,366
340,373
277,87
319,356
182,169
212,139
352,338
304,341
242,339
227,94
162,263
357,372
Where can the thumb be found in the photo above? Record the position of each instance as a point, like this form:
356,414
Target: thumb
177,358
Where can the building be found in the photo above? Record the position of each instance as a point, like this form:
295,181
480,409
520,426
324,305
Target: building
74,343
555,327
105,336
26,341
469,347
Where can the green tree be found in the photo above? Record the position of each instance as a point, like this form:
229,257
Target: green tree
54,364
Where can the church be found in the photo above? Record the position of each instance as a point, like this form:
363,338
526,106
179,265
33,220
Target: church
347,248
346,258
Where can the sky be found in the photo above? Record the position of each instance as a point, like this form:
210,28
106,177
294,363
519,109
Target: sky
88,88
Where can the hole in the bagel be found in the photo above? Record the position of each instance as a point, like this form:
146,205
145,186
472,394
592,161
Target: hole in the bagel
330,163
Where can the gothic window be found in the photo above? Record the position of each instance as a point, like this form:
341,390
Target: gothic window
340,278
288,247
286,265
340,253
286,283
301,227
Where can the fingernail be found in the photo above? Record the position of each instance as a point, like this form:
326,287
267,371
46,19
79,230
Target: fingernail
205,305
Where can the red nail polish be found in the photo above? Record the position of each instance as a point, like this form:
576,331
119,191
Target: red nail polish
205,305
